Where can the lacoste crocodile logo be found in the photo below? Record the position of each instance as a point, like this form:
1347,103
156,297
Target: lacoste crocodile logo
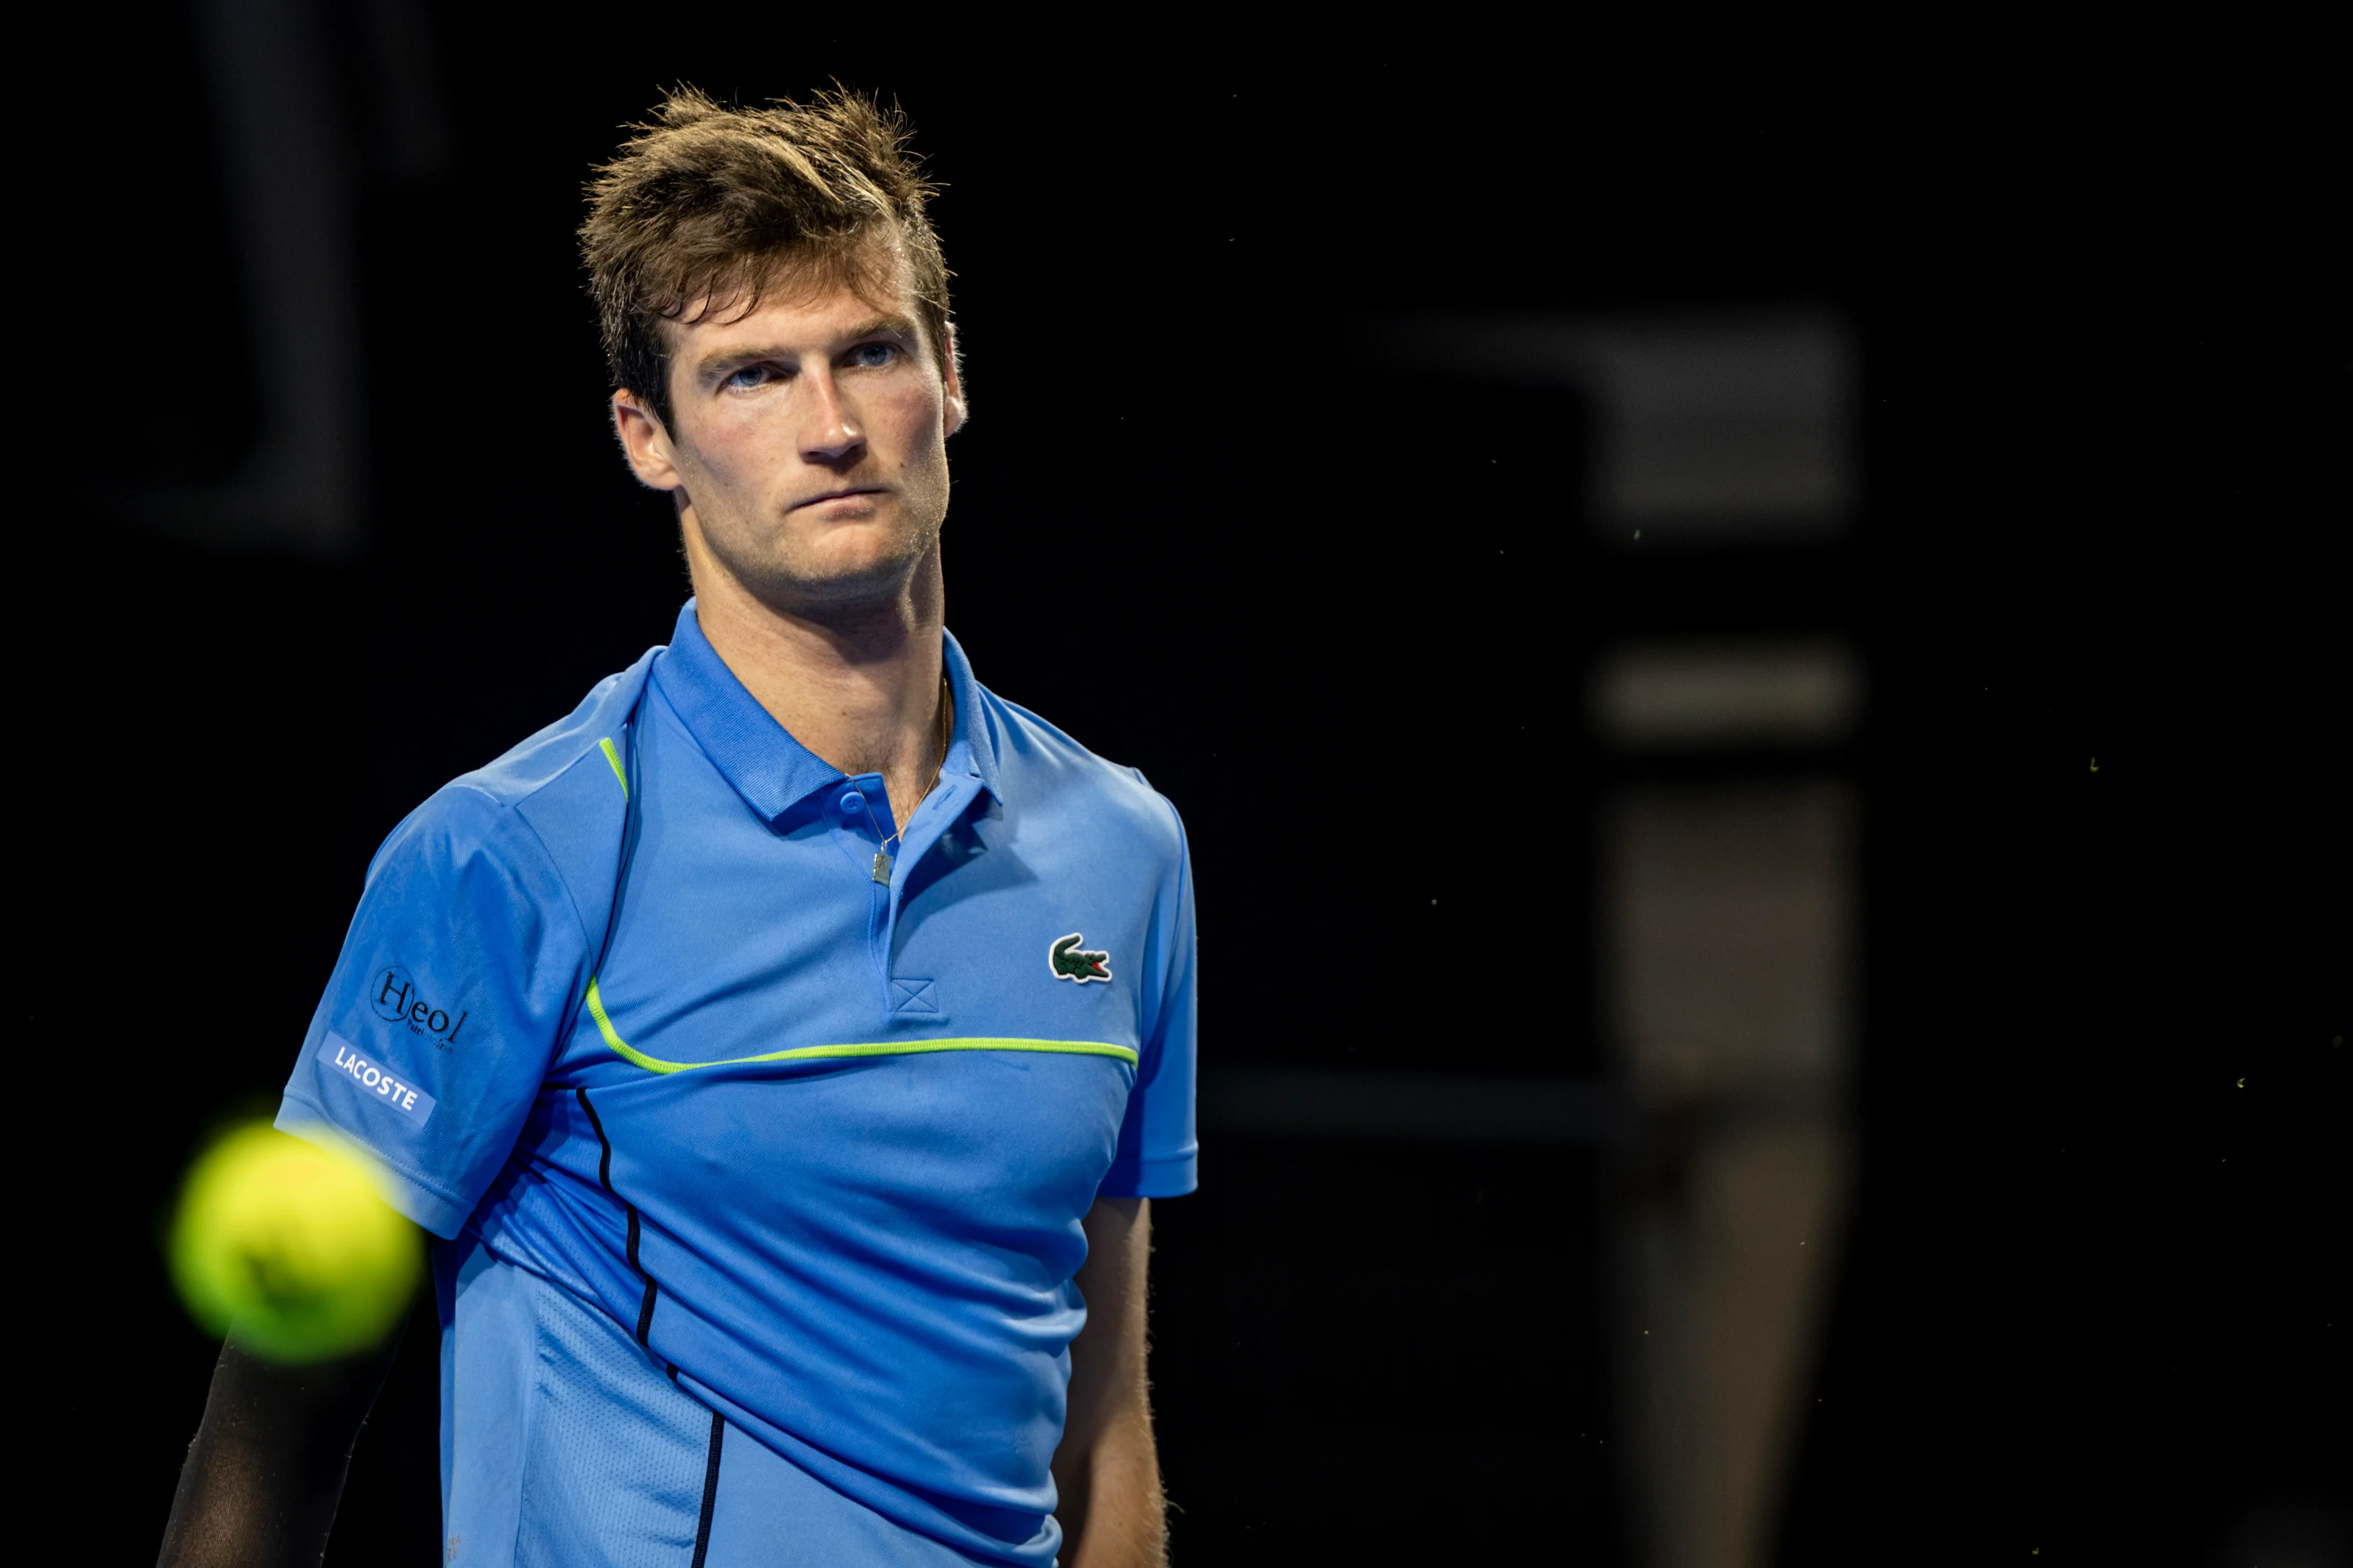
1069,961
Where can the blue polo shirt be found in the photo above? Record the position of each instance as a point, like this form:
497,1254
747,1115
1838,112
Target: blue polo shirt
760,1174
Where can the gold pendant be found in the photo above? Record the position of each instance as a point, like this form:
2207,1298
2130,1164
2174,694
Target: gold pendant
882,867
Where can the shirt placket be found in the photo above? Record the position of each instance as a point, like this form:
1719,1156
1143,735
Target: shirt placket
860,814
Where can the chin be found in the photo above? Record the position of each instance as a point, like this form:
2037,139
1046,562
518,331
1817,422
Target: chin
838,577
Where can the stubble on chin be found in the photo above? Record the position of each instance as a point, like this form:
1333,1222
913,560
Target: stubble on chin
796,577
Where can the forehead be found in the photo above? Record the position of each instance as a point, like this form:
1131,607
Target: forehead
807,294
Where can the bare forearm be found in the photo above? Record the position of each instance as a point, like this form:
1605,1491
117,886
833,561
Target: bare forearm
1111,1510
267,1467
1107,1471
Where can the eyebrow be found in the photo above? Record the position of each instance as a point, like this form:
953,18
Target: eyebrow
873,327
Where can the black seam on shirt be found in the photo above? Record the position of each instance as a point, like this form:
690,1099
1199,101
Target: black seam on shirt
605,1179
710,1489
604,1158
646,1307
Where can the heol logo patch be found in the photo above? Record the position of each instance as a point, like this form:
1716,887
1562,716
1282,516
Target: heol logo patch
381,1082
1071,962
395,995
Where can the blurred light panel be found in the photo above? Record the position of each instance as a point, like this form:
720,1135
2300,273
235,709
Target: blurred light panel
1723,429
1689,696
1708,427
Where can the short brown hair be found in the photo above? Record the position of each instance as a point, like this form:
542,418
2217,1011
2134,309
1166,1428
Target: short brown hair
710,208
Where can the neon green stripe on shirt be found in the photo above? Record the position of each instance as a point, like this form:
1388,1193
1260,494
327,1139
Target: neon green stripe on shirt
629,1053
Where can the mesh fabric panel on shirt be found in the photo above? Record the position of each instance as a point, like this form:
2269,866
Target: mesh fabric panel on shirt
616,1453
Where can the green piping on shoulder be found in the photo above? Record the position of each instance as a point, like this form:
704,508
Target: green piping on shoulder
613,761
629,1053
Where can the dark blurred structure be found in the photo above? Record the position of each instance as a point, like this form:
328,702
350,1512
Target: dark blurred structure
1743,636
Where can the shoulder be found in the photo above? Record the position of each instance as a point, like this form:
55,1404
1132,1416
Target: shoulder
557,800
1038,761
591,738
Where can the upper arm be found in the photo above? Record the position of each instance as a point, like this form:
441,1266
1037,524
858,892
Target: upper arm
445,1006
1157,1154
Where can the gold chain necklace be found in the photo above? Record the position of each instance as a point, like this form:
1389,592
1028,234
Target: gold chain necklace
882,856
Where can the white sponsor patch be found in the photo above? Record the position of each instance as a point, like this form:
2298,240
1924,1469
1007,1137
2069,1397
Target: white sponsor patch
378,1081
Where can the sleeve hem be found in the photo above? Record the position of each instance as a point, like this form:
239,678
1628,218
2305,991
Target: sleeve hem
1169,1176
405,1192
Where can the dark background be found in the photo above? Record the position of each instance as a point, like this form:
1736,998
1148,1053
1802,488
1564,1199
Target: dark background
1336,609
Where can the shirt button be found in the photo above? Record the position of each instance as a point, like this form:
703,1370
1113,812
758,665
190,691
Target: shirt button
852,803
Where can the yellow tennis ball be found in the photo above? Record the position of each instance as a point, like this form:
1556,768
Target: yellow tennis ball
284,1246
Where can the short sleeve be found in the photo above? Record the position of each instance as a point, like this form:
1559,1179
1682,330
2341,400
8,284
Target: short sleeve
1158,1155
446,1005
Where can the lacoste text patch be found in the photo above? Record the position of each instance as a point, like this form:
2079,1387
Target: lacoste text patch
378,1081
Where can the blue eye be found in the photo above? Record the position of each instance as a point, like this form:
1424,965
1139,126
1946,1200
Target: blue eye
751,375
873,356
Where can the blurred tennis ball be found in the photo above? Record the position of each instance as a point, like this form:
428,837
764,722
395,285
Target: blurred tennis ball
284,1245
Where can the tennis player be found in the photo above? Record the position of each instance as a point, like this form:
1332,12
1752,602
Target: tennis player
783,1049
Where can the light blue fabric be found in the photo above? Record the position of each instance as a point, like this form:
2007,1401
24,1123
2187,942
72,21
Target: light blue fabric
569,1426
863,1262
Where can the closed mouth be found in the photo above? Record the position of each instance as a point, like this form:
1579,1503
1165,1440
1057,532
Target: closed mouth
843,494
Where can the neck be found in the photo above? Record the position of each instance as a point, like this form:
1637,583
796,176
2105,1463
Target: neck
856,684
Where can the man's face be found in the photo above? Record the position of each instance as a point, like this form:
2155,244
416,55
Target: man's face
807,443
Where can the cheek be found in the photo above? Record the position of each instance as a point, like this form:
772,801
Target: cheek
915,424
727,450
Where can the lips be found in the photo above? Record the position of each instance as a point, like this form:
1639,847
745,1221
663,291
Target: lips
849,493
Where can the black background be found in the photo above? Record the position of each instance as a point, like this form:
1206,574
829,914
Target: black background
1337,610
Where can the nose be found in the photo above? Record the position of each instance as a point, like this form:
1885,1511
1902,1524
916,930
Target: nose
831,437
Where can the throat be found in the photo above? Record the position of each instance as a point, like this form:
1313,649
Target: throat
909,779
905,793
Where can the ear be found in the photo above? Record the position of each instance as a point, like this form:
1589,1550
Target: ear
952,379
645,443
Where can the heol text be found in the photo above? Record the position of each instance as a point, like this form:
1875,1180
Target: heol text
396,998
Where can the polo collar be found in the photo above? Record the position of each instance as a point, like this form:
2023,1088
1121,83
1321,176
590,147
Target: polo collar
772,771
971,752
